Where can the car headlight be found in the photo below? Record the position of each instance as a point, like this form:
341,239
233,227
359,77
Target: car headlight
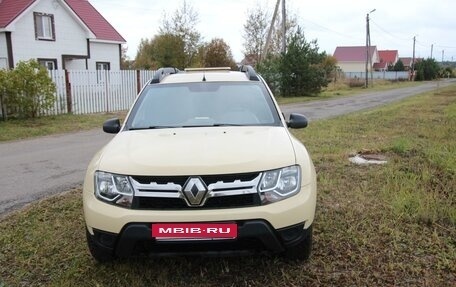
279,184
113,188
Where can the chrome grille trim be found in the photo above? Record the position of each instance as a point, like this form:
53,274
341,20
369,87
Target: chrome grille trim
236,187
169,190
217,189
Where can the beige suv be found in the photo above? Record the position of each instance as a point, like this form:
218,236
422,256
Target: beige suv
203,164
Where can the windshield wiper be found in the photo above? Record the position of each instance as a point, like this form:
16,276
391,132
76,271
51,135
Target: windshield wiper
188,126
212,125
227,125
153,128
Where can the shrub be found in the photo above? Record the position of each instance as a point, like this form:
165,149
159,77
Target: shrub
4,88
356,83
31,90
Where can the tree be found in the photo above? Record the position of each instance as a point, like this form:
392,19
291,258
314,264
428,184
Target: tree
291,26
256,29
144,55
168,51
302,70
125,62
399,66
218,54
427,70
269,69
165,50
176,45
255,33
182,24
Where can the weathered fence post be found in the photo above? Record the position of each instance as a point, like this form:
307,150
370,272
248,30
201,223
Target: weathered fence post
69,98
106,89
138,81
2,107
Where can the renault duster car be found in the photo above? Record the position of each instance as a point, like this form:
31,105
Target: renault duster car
204,163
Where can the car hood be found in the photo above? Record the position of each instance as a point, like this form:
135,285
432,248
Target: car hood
197,151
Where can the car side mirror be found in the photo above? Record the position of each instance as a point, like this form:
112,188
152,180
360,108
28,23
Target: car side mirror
297,121
111,126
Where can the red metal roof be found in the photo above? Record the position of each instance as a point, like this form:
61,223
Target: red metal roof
11,9
94,20
407,61
353,53
380,66
388,56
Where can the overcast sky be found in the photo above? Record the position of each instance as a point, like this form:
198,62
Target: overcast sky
332,23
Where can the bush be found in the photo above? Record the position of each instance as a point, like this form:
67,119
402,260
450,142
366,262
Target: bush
427,70
30,91
356,83
4,88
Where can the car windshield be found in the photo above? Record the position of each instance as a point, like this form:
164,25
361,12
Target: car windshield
203,104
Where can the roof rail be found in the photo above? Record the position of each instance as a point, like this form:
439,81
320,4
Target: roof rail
250,72
207,69
162,72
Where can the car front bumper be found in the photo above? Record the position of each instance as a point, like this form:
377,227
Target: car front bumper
253,236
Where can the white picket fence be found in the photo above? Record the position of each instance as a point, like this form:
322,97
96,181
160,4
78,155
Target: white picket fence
384,75
86,92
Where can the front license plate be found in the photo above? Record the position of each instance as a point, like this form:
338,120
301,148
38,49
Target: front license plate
182,231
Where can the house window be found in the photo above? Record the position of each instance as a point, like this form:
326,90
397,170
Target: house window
50,64
44,26
104,66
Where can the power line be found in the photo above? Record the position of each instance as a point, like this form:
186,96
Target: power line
390,34
445,47
329,29
419,43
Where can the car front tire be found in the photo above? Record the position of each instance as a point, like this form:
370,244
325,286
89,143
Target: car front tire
99,253
300,251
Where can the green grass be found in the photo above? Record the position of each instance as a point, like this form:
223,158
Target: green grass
389,225
16,129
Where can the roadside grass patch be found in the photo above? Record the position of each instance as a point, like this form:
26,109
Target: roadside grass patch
341,89
389,225
16,129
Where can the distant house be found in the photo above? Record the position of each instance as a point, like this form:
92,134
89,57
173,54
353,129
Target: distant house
407,61
353,58
387,58
60,34
382,66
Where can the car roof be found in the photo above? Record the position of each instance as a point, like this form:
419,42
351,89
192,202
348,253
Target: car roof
193,75
205,76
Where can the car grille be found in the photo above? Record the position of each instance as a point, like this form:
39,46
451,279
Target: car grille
223,191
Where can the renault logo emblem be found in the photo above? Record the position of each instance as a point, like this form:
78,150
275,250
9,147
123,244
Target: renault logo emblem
195,191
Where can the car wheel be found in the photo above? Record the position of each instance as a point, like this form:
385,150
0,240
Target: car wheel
302,250
100,254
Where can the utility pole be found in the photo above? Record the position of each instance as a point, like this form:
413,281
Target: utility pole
268,39
368,44
413,59
443,54
432,49
284,27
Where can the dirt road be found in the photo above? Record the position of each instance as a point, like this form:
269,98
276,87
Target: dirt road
36,168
